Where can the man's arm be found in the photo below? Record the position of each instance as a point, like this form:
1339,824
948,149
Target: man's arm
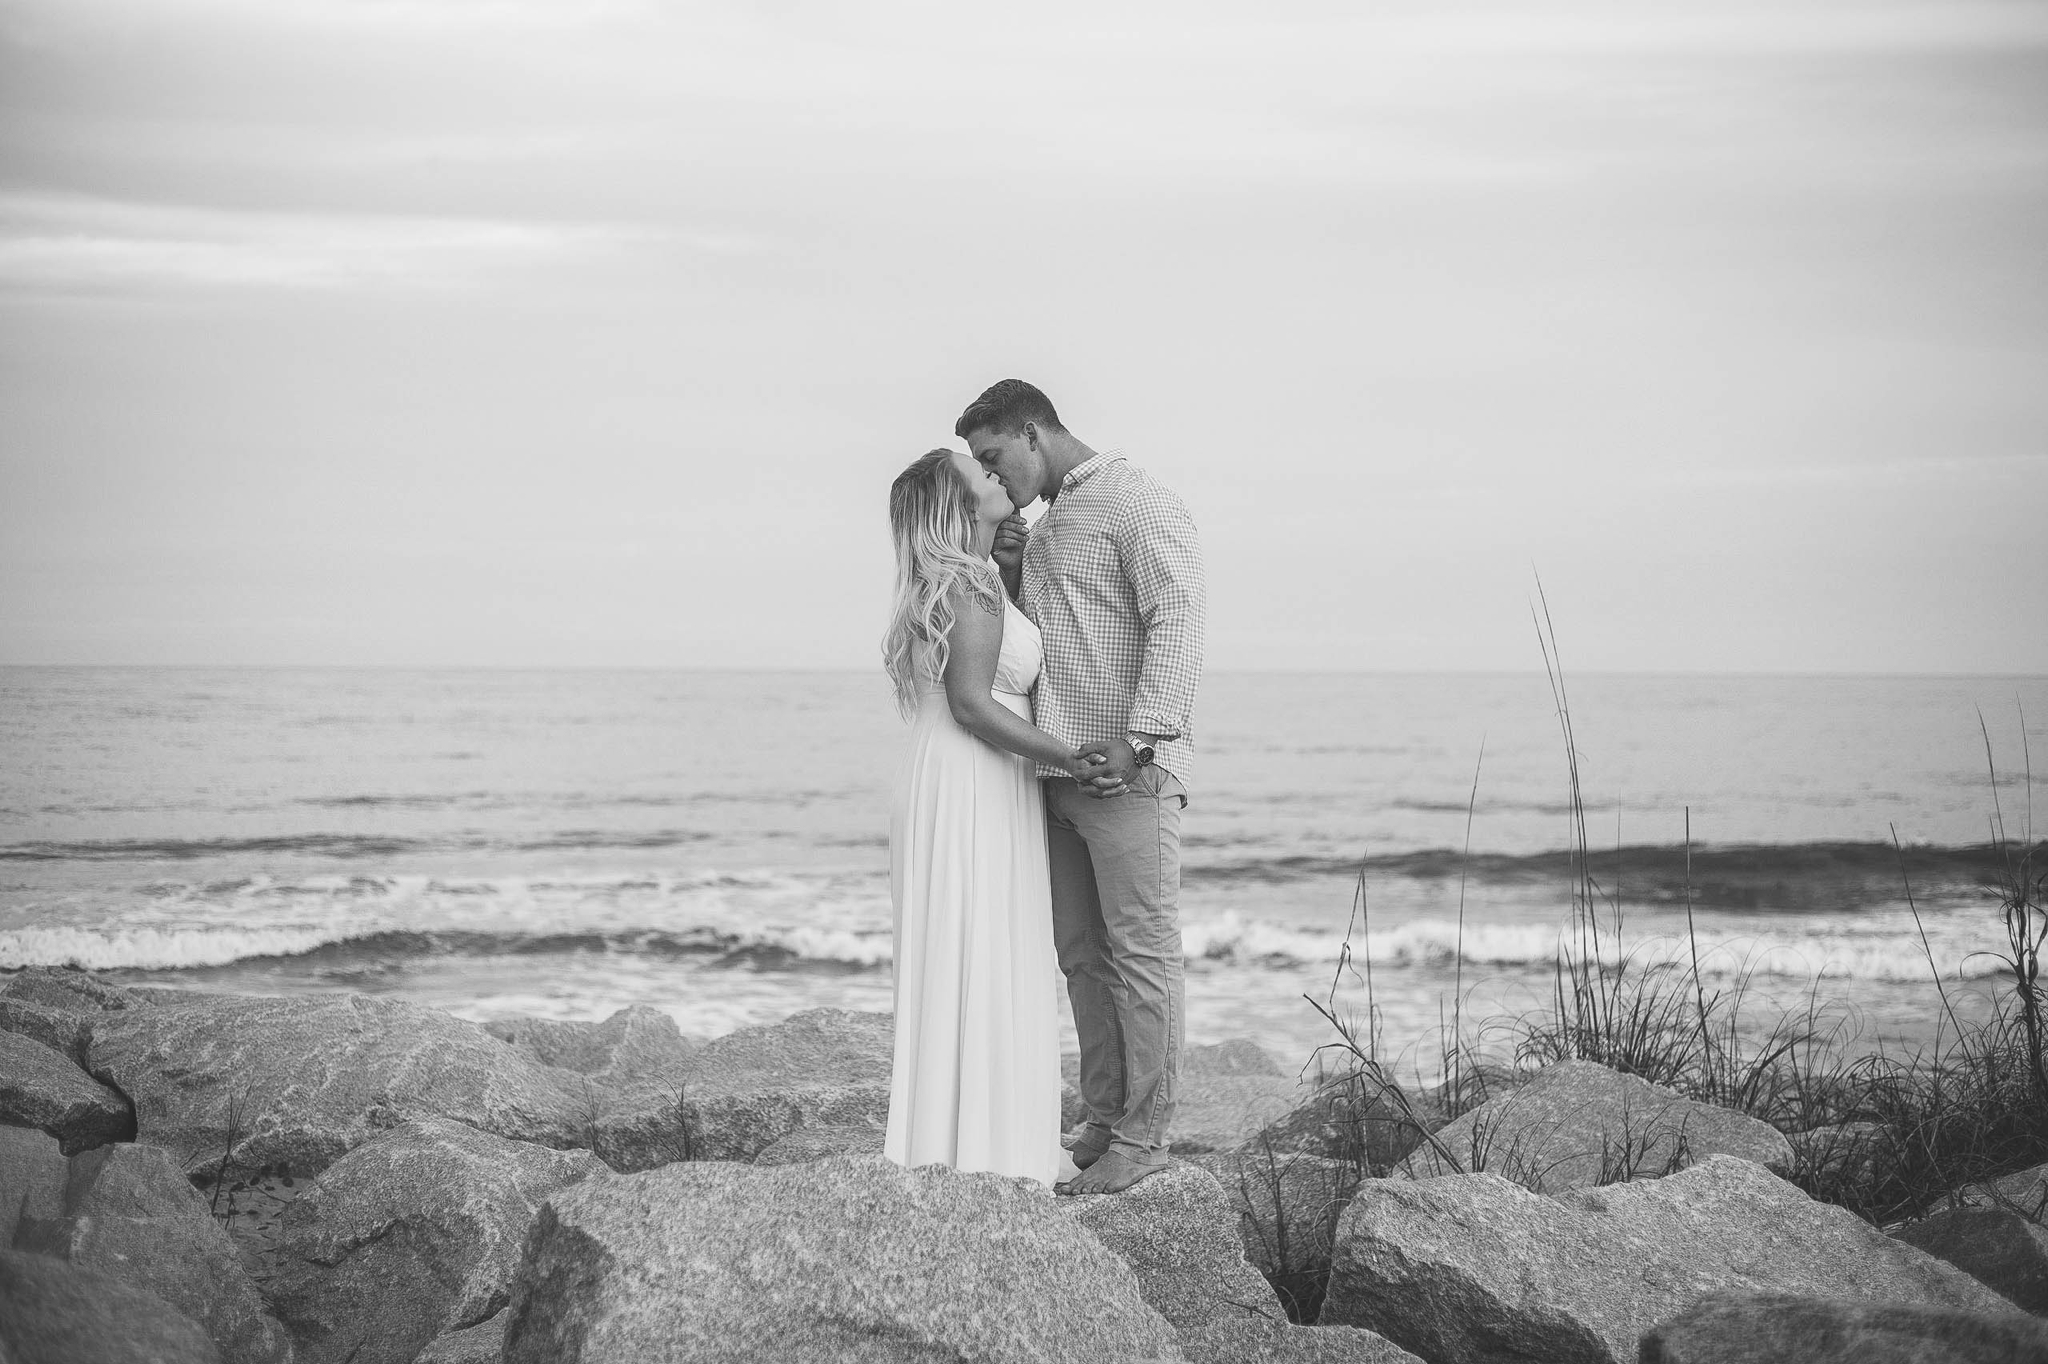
1163,561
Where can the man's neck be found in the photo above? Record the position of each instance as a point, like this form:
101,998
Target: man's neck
1062,459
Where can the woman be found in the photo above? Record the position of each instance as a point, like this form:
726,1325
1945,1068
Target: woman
977,1074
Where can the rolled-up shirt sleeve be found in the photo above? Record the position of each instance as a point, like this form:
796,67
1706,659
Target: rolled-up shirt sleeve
1162,560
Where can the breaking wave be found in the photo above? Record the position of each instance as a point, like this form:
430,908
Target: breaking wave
1792,876
328,951
1886,954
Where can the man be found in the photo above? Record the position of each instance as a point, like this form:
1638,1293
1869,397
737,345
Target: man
1112,576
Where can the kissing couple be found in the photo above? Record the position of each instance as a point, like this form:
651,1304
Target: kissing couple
1049,678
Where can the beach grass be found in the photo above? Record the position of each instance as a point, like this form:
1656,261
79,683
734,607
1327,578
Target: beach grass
1889,1134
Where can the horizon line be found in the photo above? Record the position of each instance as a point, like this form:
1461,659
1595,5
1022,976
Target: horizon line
842,670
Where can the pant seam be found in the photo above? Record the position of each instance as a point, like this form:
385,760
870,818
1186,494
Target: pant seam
1169,1075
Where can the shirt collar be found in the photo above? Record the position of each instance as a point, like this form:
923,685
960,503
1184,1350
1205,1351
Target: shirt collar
1089,468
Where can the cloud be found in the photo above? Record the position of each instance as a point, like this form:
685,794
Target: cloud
1699,274
67,241
628,103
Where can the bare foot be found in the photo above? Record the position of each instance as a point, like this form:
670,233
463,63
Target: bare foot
1113,1173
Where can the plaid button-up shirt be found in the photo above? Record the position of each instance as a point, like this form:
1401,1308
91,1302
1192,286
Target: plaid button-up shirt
1113,580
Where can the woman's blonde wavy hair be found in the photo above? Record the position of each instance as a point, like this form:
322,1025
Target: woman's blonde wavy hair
931,517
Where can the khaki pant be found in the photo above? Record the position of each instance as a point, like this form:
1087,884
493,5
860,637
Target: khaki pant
1116,927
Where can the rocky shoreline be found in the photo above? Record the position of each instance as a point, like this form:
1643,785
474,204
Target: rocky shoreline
357,1180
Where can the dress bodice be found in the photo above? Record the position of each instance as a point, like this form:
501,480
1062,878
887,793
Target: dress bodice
1016,666
1022,656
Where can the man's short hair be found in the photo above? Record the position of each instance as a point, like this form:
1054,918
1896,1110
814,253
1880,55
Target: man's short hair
1004,408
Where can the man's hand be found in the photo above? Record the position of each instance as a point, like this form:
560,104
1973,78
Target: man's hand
1114,765
1009,549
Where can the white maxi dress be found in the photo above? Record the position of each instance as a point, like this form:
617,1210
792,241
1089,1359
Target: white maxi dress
976,1083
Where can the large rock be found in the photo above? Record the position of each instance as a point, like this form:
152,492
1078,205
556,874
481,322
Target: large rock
55,1313
1470,1268
742,1092
1996,1246
129,1212
820,1068
846,1261
481,1344
410,1236
635,1045
1228,1093
1256,1340
820,1143
2024,1192
65,990
296,1083
1774,1329
32,1176
67,1034
630,1074
1356,1117
46,1089
1288,1208
57,1007
1577,1124
1468,1083
1178,1232
1841,1155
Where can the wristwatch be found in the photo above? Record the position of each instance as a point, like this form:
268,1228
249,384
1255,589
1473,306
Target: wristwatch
1141,746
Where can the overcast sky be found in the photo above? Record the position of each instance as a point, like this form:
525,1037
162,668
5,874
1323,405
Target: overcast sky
543,332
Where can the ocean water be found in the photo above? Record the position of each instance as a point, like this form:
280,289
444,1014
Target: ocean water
714,844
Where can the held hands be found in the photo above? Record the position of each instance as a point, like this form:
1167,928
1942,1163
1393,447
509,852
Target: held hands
1105,768
1085,768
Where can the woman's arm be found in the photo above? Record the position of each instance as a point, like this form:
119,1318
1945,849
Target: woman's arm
972,648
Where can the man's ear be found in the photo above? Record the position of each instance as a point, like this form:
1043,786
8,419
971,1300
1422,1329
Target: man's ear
1031,434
